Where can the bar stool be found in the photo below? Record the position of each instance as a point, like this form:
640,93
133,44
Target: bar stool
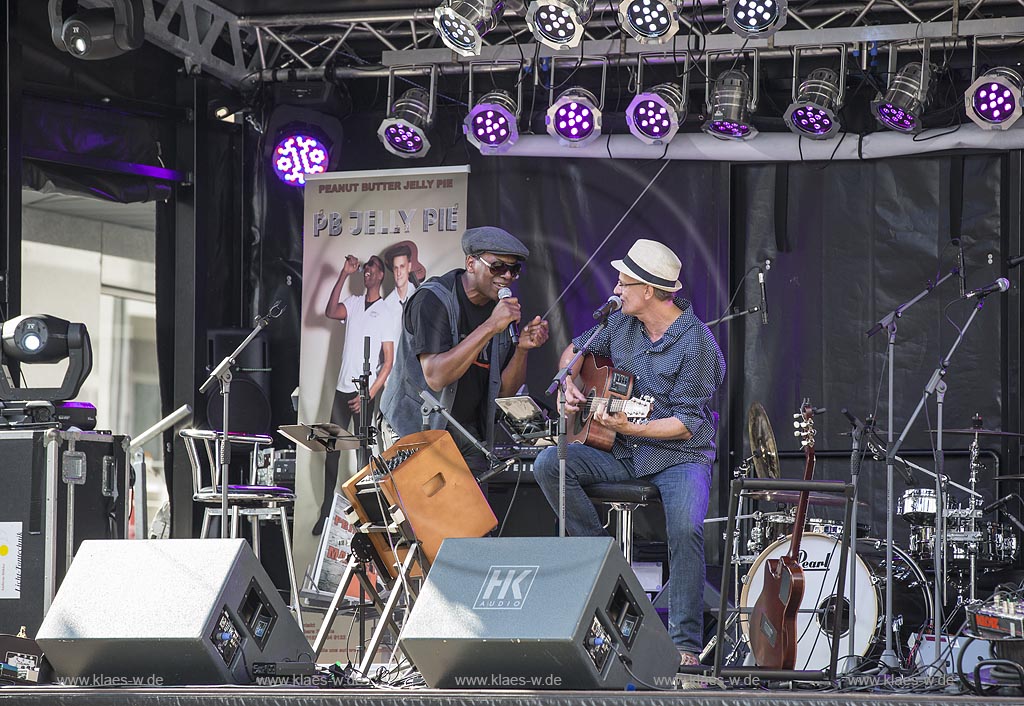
623,497
256,502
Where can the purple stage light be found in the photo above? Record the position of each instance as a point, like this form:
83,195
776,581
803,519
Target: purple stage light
905,100
559,23
297,155
654,116
813,113
404,131
574,119
993,101
649,21
729,103
491,124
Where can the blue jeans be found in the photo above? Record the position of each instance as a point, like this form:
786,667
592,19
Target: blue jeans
684,496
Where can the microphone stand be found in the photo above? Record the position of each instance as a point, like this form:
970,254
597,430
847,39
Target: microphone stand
222,374
734,315
937,384
558,383
367,435
888,322
432,405
855,462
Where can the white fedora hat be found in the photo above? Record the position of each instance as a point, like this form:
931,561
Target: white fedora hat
653,263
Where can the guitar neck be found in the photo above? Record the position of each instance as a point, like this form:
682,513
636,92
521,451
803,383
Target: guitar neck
614,404
801,508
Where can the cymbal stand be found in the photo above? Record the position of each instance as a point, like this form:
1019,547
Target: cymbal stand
888,323
974,506
936,385
855,461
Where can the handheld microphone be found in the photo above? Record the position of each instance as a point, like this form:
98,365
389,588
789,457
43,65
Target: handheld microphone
513,328
961,273
1000,285
998,503
614,303
764,297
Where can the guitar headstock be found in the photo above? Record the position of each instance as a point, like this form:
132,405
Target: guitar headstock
804,425
638,408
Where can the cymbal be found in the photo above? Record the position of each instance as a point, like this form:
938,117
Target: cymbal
762,442
979,432
792,497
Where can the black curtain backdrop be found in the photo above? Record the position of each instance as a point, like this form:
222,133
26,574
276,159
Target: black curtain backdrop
859,240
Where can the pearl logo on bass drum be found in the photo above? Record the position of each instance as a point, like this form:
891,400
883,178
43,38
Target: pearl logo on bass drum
505,588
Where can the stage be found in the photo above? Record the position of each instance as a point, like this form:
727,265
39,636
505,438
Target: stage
293,696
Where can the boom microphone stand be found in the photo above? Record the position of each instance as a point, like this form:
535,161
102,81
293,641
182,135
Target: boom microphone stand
222,374
558,383
888,322
937,384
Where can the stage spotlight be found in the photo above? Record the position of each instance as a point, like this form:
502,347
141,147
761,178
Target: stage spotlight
492,123
574,119
559,23
993,100
404,131
462,24
649,21
729,110
755,18
96,33
297,155
813,113
41,338
654,116
904,101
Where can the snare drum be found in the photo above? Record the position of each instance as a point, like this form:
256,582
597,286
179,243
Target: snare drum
917,506
769,528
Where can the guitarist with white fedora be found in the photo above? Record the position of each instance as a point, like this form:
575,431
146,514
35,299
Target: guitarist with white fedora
674,358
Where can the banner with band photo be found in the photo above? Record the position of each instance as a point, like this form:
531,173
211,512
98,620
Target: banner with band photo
369,238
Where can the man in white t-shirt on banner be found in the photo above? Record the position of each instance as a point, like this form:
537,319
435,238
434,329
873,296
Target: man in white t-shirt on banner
365,315
400,259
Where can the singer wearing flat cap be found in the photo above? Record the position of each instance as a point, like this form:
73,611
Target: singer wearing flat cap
457,342
674,358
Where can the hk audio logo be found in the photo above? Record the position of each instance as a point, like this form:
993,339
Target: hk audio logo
505,588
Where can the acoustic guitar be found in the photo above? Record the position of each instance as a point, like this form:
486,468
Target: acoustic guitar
604,386
773,634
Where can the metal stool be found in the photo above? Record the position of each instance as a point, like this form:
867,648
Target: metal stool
623,497
257,502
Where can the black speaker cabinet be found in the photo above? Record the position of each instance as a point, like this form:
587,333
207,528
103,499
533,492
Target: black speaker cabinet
249,402
536,613
174,611
59,488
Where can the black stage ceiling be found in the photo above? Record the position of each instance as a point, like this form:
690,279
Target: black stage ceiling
225,696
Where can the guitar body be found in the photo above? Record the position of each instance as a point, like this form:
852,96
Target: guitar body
597,379
773,633
774,617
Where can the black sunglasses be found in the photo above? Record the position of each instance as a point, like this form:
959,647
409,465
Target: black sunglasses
499,268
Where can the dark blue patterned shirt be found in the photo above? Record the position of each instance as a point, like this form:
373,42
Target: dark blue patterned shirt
681,372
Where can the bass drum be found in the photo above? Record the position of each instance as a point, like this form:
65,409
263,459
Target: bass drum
819,557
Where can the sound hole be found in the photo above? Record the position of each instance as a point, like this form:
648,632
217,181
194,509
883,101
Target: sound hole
827,616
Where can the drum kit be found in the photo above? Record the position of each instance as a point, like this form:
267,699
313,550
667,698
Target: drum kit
968,545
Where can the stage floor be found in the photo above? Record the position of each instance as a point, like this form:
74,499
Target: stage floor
292,696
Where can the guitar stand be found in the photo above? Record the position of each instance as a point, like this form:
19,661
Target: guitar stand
738,486
363,554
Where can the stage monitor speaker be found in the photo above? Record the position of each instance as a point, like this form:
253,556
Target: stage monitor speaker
249,410
171,611
536,613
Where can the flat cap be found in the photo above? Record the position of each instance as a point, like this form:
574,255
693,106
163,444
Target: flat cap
495,240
